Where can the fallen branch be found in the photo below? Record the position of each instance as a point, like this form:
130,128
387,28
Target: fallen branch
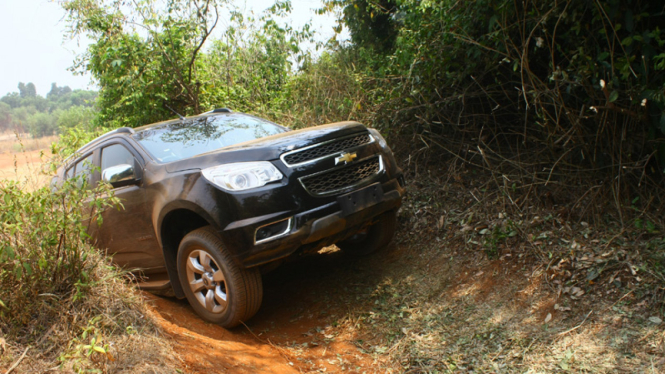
18,361
283,352
576,327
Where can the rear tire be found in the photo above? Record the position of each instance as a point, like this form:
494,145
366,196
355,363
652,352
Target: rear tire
374,238
217,288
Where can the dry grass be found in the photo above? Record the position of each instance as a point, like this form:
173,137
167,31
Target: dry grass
106,330
112,313
493,317
17,143
23,158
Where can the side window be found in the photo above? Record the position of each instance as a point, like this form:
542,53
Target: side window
85,167
116,154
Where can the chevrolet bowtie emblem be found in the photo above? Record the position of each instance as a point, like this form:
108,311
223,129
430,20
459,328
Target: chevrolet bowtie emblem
345,158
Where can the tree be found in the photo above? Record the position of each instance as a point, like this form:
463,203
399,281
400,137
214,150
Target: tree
41,115
5,116
371,23
13,99
149,57
22,91
81,98
27,90
57,92
76,117
146,56
250,65
41,124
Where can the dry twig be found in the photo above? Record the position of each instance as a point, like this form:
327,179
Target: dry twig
18,361
576,327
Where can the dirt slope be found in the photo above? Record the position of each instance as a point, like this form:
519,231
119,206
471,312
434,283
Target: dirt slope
295,331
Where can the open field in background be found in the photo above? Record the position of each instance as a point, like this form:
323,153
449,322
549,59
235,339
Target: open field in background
22,157
11,142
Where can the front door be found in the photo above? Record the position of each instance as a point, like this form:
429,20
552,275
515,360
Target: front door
127,231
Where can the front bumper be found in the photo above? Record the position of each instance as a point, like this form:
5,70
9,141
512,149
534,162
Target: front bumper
313,228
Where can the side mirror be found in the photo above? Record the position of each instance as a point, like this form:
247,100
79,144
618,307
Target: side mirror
119,175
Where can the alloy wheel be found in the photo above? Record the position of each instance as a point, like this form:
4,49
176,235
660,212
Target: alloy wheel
207,281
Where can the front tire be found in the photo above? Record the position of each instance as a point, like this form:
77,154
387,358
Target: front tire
375,237
217,288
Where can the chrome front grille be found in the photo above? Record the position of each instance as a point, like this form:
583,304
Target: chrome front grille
325,149
343,178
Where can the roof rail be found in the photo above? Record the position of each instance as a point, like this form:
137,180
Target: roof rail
128,130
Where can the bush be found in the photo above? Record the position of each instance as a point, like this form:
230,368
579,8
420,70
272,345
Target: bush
560,97
58,293
77,117
43,252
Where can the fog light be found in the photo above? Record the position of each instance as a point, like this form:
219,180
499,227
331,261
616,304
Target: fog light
401,181
273,230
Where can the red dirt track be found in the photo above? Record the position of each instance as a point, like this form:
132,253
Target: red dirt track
292,332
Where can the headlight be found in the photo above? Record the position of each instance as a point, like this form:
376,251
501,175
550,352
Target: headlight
243,175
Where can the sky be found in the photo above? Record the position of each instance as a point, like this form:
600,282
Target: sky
34,48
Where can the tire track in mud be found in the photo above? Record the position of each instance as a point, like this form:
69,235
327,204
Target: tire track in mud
292,333
204,347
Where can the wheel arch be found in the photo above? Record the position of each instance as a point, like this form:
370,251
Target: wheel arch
175,222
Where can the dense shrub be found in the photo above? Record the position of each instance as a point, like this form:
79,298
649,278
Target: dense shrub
567,95
43,249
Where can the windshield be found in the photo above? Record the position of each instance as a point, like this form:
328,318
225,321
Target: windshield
179,140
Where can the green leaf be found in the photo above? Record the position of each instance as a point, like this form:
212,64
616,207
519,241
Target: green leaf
10,250
614,96
638,223
99,349
603,56
28,268
492,23
651,227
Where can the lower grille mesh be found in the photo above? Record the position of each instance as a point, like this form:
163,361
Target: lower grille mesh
337,179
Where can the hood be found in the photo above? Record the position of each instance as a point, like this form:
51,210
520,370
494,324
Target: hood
268,148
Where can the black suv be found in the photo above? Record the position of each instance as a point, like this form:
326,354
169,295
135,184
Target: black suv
211,200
